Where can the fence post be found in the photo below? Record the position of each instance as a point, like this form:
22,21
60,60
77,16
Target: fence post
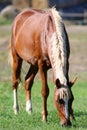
85,16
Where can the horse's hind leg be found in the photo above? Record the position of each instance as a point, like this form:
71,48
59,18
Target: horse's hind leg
17,63
28,85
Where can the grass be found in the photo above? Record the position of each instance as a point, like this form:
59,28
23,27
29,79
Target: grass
4,21
23,121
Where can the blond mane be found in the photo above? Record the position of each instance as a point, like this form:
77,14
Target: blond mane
59,47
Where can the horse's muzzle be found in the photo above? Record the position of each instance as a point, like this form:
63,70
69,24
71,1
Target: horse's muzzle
67,123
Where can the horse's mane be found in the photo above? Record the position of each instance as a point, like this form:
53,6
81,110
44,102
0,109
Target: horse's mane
59,47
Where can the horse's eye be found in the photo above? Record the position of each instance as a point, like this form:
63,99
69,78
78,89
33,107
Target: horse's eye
61,101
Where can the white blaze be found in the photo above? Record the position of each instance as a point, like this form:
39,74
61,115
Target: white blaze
66,108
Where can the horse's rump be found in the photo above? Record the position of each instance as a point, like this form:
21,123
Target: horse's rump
21,18
29,34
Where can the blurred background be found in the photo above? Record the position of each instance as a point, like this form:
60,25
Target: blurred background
74,14
71,10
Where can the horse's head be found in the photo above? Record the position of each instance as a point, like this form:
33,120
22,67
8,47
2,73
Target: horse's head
63,98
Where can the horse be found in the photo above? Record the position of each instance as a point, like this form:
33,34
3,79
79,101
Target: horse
39,37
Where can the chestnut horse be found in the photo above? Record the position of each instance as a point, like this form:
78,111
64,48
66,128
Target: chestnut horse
39,37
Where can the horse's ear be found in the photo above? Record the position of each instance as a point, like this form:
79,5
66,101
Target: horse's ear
71,83
57,83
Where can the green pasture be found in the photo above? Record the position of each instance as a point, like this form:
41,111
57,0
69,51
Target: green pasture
23,121
4,21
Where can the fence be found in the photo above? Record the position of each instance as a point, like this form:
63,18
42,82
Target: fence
75,16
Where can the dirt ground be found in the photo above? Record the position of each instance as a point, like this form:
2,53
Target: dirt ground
78,56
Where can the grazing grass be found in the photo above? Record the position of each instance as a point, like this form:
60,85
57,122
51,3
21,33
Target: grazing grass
4,21
23,121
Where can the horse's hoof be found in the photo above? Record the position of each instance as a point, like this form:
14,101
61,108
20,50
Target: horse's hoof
15,112
29,111
44,119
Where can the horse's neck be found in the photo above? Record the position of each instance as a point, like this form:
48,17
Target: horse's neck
58,72
58,64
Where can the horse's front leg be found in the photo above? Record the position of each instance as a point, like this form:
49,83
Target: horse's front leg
28,85
45,90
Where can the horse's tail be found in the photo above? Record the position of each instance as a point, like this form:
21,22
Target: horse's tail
11,44
10,58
